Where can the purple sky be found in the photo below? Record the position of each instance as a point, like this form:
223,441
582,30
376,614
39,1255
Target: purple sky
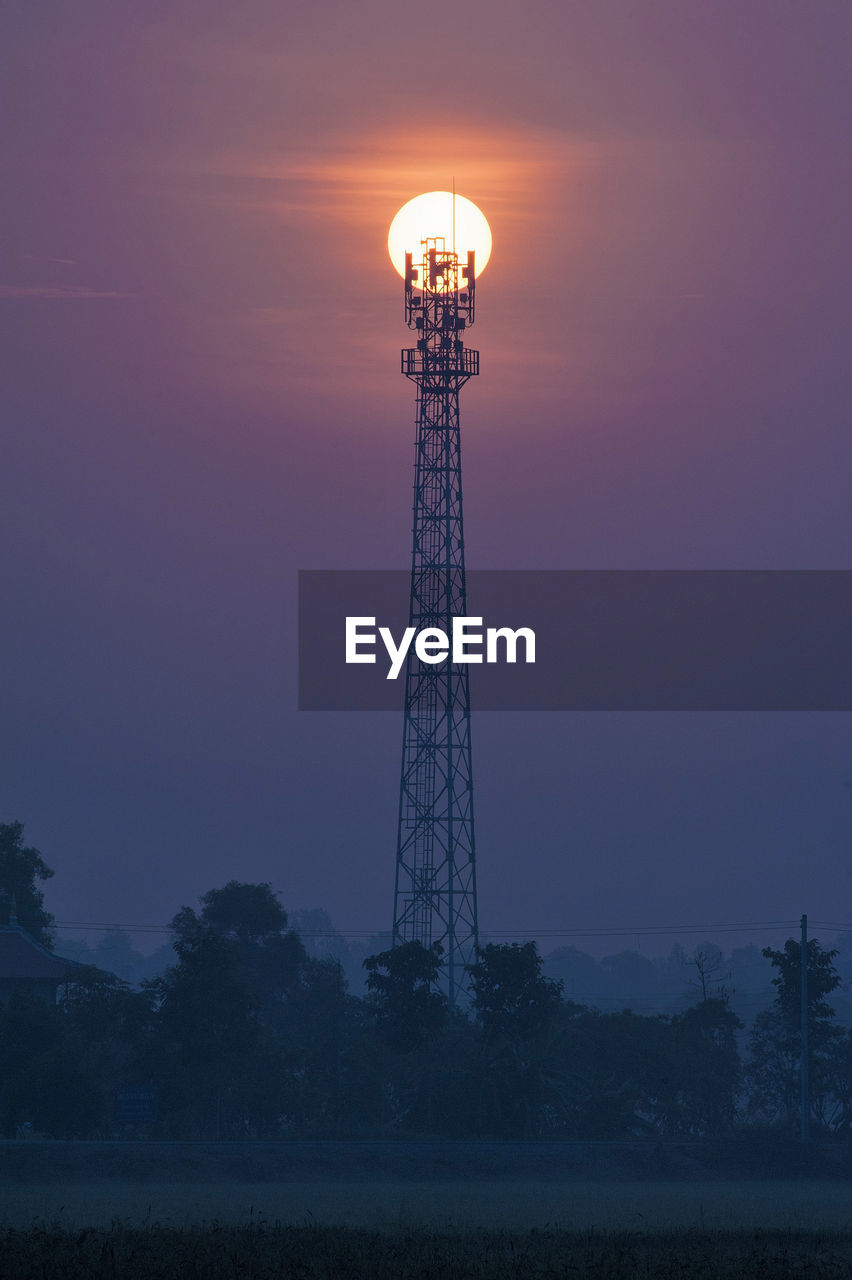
201,395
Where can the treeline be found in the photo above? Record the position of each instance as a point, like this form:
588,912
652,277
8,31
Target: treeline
246,1035
667,983
658,984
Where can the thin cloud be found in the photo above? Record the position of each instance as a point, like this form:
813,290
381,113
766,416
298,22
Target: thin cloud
345,183
63,262
51,291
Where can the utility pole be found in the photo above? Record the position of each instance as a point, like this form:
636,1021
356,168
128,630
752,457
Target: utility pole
804,1093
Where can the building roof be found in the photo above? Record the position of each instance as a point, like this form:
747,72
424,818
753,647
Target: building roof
22,957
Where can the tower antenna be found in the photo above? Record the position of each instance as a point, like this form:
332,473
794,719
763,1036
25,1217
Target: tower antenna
435,887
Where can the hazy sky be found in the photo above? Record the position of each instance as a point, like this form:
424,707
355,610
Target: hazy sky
200,395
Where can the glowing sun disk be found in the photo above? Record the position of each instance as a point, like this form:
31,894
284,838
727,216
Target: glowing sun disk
431,215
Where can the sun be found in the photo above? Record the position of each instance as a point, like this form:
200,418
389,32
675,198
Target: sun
431,215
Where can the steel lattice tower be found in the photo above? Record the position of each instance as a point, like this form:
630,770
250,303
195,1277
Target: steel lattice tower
435,894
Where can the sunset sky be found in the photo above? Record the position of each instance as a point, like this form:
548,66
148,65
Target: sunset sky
201,395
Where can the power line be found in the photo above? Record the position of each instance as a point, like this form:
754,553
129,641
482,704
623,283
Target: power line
664,930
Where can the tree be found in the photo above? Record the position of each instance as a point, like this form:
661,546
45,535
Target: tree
108,1027
579,973
248,922
210,1041
628,976
43,1083
619,1073
401,983
20,867
712,974
115,954
705,1069
822,979
511,996
773,1068
226,1014
244,913
516,1008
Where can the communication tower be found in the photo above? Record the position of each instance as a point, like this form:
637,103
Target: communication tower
435,893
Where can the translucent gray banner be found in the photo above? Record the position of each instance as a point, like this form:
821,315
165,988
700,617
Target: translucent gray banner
605,640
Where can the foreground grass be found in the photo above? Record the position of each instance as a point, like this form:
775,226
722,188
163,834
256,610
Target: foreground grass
466,1204
263,1252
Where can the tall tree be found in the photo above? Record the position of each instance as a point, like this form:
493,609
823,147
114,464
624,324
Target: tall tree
209,1038
226,1012
516,1007
773,1068
20,867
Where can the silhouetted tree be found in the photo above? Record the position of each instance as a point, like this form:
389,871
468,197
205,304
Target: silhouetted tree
109,1028
228,1014
516,1007
619,1074
248,922
511,997
249,914
20,867
705,1071
628,976
579,972
44,1084
712,975
209,1036
772,1072
332,1049
401,984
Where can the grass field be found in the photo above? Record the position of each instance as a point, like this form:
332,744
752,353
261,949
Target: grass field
410,1211
463,1205
329,1253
